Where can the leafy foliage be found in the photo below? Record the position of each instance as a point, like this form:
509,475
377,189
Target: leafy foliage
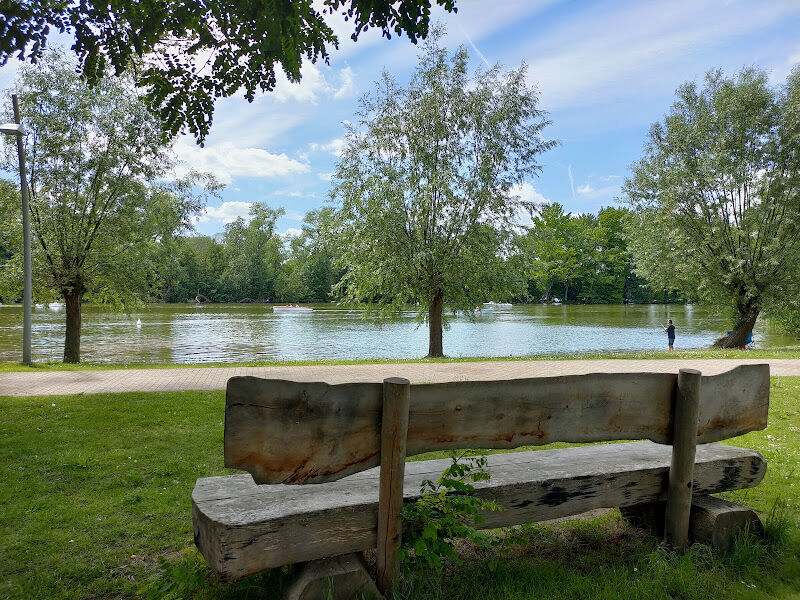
187,54
717,194
95,156
425,184
582,259
446,511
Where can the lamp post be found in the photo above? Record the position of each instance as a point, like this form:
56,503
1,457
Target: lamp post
16,130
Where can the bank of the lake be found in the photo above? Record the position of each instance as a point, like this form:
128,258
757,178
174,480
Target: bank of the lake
788,352
254,334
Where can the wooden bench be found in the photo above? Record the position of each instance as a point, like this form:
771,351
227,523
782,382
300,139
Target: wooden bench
285,432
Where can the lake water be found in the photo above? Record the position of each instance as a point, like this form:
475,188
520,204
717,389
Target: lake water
182,333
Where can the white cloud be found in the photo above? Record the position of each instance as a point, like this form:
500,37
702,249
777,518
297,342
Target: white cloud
527,193
292,232
325,176
600,188
226,161
348,85
571,180
294,215
646,48
334,147
227,212
314,85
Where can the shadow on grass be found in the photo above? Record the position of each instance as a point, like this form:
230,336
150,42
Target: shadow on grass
602,558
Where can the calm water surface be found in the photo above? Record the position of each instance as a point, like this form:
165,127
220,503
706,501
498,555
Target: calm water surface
183,333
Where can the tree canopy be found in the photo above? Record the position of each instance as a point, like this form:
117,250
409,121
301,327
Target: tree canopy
95,157
187,54
426,187
717,195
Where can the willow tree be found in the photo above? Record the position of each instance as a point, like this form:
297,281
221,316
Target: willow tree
718,195
95,158
426,187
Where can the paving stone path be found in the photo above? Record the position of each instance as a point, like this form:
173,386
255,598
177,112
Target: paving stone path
214,378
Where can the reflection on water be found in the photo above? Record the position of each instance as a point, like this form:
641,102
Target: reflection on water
183,333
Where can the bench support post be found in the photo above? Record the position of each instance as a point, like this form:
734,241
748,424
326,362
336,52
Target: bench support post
684,446
394,428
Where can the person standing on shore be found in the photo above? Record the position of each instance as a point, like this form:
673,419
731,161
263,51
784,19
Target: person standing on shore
670,329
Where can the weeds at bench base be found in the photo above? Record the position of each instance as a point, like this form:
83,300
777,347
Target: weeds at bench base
446,512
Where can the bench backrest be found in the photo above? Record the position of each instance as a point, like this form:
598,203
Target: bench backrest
292,432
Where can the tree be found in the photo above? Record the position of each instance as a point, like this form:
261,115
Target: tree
426,182
551,250
187,54
94,156
309,274
718,194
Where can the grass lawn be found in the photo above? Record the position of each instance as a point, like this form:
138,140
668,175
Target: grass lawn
94,503
782,352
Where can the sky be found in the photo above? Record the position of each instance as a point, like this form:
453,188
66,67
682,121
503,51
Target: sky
605,71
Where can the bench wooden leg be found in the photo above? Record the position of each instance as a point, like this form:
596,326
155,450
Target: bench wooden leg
713,521
338,578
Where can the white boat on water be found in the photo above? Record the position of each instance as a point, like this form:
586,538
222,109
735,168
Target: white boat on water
484,310
497,305
292,309
55,305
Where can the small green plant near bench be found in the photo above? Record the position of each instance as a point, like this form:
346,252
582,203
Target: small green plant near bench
446,511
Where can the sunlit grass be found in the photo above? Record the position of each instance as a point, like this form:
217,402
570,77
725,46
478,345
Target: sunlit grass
95,503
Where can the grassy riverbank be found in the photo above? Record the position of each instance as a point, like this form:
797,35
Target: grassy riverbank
783,352
95,503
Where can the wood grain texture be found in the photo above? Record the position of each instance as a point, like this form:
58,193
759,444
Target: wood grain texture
243,528
681,470
394,427
292,432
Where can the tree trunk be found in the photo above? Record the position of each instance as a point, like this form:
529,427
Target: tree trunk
566,291
546,297
746,319
435,326
72,339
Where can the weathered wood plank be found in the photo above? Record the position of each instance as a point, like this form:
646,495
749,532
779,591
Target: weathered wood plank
394,427
681,470
290,432
713,521
243,528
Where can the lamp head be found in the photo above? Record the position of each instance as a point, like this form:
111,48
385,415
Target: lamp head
12,129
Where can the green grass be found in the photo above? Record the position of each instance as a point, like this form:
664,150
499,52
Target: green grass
95,503
782,352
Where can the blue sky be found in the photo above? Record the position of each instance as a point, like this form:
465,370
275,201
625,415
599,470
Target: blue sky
605,72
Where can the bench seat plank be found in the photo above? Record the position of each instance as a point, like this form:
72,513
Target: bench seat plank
243,528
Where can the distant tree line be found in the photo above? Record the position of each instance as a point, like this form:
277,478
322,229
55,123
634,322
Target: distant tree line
250,261
568,258
583,259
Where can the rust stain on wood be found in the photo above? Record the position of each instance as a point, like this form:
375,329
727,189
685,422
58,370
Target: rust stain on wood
293,432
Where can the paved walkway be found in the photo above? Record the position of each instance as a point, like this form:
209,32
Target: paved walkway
214,378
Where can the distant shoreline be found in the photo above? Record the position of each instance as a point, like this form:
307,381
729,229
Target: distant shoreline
788,352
